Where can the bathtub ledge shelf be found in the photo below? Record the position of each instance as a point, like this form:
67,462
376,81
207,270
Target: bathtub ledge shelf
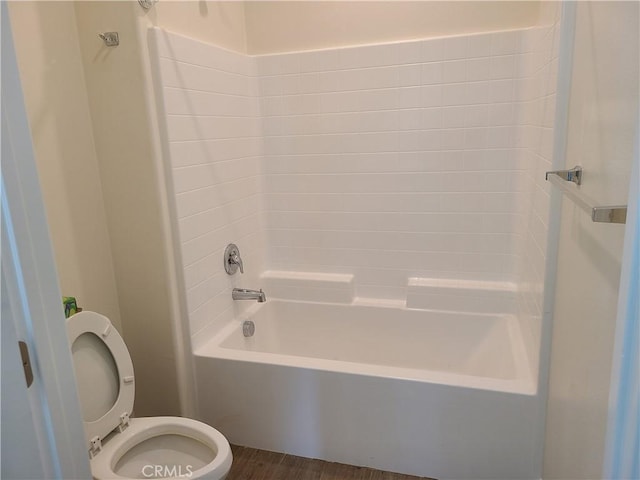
480,296
309,286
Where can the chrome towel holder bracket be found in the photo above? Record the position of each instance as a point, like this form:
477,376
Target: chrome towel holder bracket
601,214
110,39
572,175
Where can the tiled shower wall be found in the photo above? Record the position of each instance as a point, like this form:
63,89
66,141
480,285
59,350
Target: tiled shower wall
213,137
389,161
395,161
537,107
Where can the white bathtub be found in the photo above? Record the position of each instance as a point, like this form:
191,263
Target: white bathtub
438,394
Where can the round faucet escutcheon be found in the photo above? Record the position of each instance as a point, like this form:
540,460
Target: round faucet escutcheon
232,260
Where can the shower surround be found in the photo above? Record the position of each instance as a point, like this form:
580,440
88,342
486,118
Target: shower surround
399,177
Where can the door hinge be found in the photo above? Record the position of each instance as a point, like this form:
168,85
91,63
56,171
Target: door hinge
26,362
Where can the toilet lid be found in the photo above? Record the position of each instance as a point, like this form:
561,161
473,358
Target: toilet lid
104,373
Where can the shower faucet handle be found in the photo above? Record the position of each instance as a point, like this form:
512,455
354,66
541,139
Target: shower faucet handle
236,260
232,260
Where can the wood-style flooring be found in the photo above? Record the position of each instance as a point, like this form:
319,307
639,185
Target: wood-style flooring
252,464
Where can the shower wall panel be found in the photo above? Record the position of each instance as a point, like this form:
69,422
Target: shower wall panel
213,138
536,115
395,161
389,162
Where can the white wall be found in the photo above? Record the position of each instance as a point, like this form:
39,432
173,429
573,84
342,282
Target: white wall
57,103
220,23
97,171
281,26
213,140
603,116
117,88
96,160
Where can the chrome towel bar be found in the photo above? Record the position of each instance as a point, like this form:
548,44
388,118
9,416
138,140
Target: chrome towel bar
603,214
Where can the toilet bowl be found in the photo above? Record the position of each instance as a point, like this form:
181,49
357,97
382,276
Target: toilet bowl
121,447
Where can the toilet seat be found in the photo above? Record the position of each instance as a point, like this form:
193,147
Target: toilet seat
105,380
102,331
141,429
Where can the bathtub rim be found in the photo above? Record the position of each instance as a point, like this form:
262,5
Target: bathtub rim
523,384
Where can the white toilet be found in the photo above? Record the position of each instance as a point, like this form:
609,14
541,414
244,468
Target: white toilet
123,447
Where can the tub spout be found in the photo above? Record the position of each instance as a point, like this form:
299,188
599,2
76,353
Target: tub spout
246,294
